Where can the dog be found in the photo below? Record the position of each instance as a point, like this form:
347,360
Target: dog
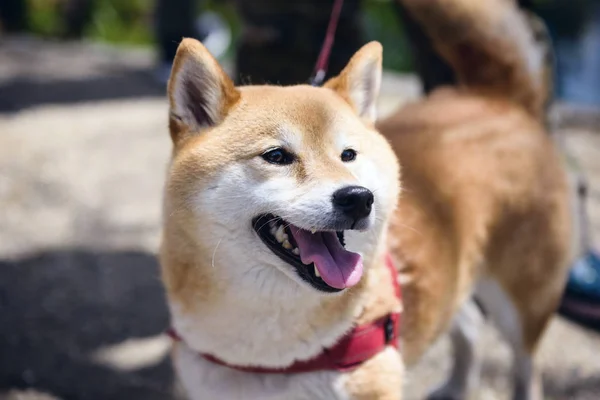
291,214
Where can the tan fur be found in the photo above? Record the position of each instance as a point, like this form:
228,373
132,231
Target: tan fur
485,193
379,378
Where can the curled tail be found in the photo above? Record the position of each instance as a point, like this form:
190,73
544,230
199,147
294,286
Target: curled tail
491,46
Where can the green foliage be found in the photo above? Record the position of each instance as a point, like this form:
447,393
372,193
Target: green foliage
384,24
113,21
44,19
122,22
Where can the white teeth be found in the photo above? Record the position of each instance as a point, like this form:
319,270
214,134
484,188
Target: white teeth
316,271
286,245
296,251
280,234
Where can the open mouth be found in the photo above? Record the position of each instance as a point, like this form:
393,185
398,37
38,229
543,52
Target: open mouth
318,257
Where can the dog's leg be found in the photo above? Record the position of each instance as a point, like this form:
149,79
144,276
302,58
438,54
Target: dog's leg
501,310
527,384
466,368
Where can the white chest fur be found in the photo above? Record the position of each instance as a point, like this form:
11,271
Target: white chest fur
256,333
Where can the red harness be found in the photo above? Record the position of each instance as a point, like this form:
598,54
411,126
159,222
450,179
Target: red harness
354,348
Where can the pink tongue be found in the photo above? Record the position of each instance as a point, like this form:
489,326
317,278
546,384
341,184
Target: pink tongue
338,267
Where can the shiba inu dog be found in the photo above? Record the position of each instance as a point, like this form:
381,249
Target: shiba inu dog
281,216
277,205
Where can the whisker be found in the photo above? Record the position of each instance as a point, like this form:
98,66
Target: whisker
410,228
263,225
379,219
212,262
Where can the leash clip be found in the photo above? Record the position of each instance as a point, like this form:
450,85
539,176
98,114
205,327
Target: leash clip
318,78
388,328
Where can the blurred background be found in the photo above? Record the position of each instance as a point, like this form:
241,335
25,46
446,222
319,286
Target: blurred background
573,24
83,151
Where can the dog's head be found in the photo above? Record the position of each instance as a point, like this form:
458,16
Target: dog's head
271,184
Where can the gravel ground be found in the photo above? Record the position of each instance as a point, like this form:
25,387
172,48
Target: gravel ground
83,147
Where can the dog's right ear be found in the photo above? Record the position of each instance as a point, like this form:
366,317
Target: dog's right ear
200,92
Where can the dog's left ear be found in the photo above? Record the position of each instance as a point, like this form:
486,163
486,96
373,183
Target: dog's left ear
360,80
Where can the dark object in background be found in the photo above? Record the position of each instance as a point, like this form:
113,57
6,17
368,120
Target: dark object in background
281,40
174,21
77,14
581,298
581,301
13,16
566,18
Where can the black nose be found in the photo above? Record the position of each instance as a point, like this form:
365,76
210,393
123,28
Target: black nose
354,201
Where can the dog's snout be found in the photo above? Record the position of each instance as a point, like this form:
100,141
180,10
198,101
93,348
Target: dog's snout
354,201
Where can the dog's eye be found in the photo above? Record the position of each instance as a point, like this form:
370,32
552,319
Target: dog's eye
348,155
278,156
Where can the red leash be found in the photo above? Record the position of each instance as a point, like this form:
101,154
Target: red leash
323,60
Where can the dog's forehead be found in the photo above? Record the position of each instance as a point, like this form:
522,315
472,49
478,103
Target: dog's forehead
288,112
285,97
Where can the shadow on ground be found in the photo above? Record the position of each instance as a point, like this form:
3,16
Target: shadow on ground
26,92
587,388
555,387
59,307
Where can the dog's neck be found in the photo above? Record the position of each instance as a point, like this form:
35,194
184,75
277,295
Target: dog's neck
272,328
